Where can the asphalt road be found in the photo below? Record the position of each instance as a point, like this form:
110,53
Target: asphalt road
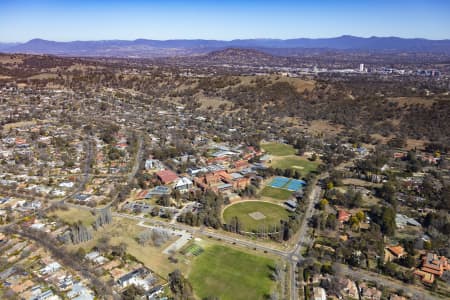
89,148
303,239
137,159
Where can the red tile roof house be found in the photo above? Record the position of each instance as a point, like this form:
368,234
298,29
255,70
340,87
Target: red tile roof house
343,216
394,252
167,176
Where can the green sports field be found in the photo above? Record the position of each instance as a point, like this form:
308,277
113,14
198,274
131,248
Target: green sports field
275,193
295,163
278,149
271,213
247,277
284,157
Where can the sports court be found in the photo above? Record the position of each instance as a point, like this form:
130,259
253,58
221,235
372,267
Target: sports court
279,182
289,184
295,185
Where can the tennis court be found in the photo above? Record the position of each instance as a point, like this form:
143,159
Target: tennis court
279,182
295,185
193,249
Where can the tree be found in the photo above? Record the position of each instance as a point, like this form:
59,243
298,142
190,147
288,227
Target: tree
408,261
360,215
133,293
330,185
388,221
331,221
80,253
388,191
180,287
323,204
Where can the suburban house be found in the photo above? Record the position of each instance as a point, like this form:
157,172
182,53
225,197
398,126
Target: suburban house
349,288
139,277
369,293
167,176
50,268
343,216
394,252
401,221
183,184
153,164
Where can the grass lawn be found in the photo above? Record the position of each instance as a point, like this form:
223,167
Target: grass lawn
278,149
295,163
273,214
231,274
279,194
73,215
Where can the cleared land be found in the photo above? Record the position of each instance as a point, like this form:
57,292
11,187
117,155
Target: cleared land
275,193
244,211
278,149
212,103
323,126
246,278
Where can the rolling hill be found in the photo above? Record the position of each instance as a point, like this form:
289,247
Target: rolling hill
160,48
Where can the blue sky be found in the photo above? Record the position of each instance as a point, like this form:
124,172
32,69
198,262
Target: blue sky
67,20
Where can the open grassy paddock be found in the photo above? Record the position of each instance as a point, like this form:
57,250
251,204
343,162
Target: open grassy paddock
249,214
278,149
247,277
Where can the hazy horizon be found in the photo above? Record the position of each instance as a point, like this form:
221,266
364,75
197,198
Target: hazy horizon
225,40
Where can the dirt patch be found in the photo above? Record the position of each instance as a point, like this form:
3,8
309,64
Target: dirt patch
9,126
302,85
359,182
44,76
415,144
408,101
382,139
213,103
81,67
257,215
323,126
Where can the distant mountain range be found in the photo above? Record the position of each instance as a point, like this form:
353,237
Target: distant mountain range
160,48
